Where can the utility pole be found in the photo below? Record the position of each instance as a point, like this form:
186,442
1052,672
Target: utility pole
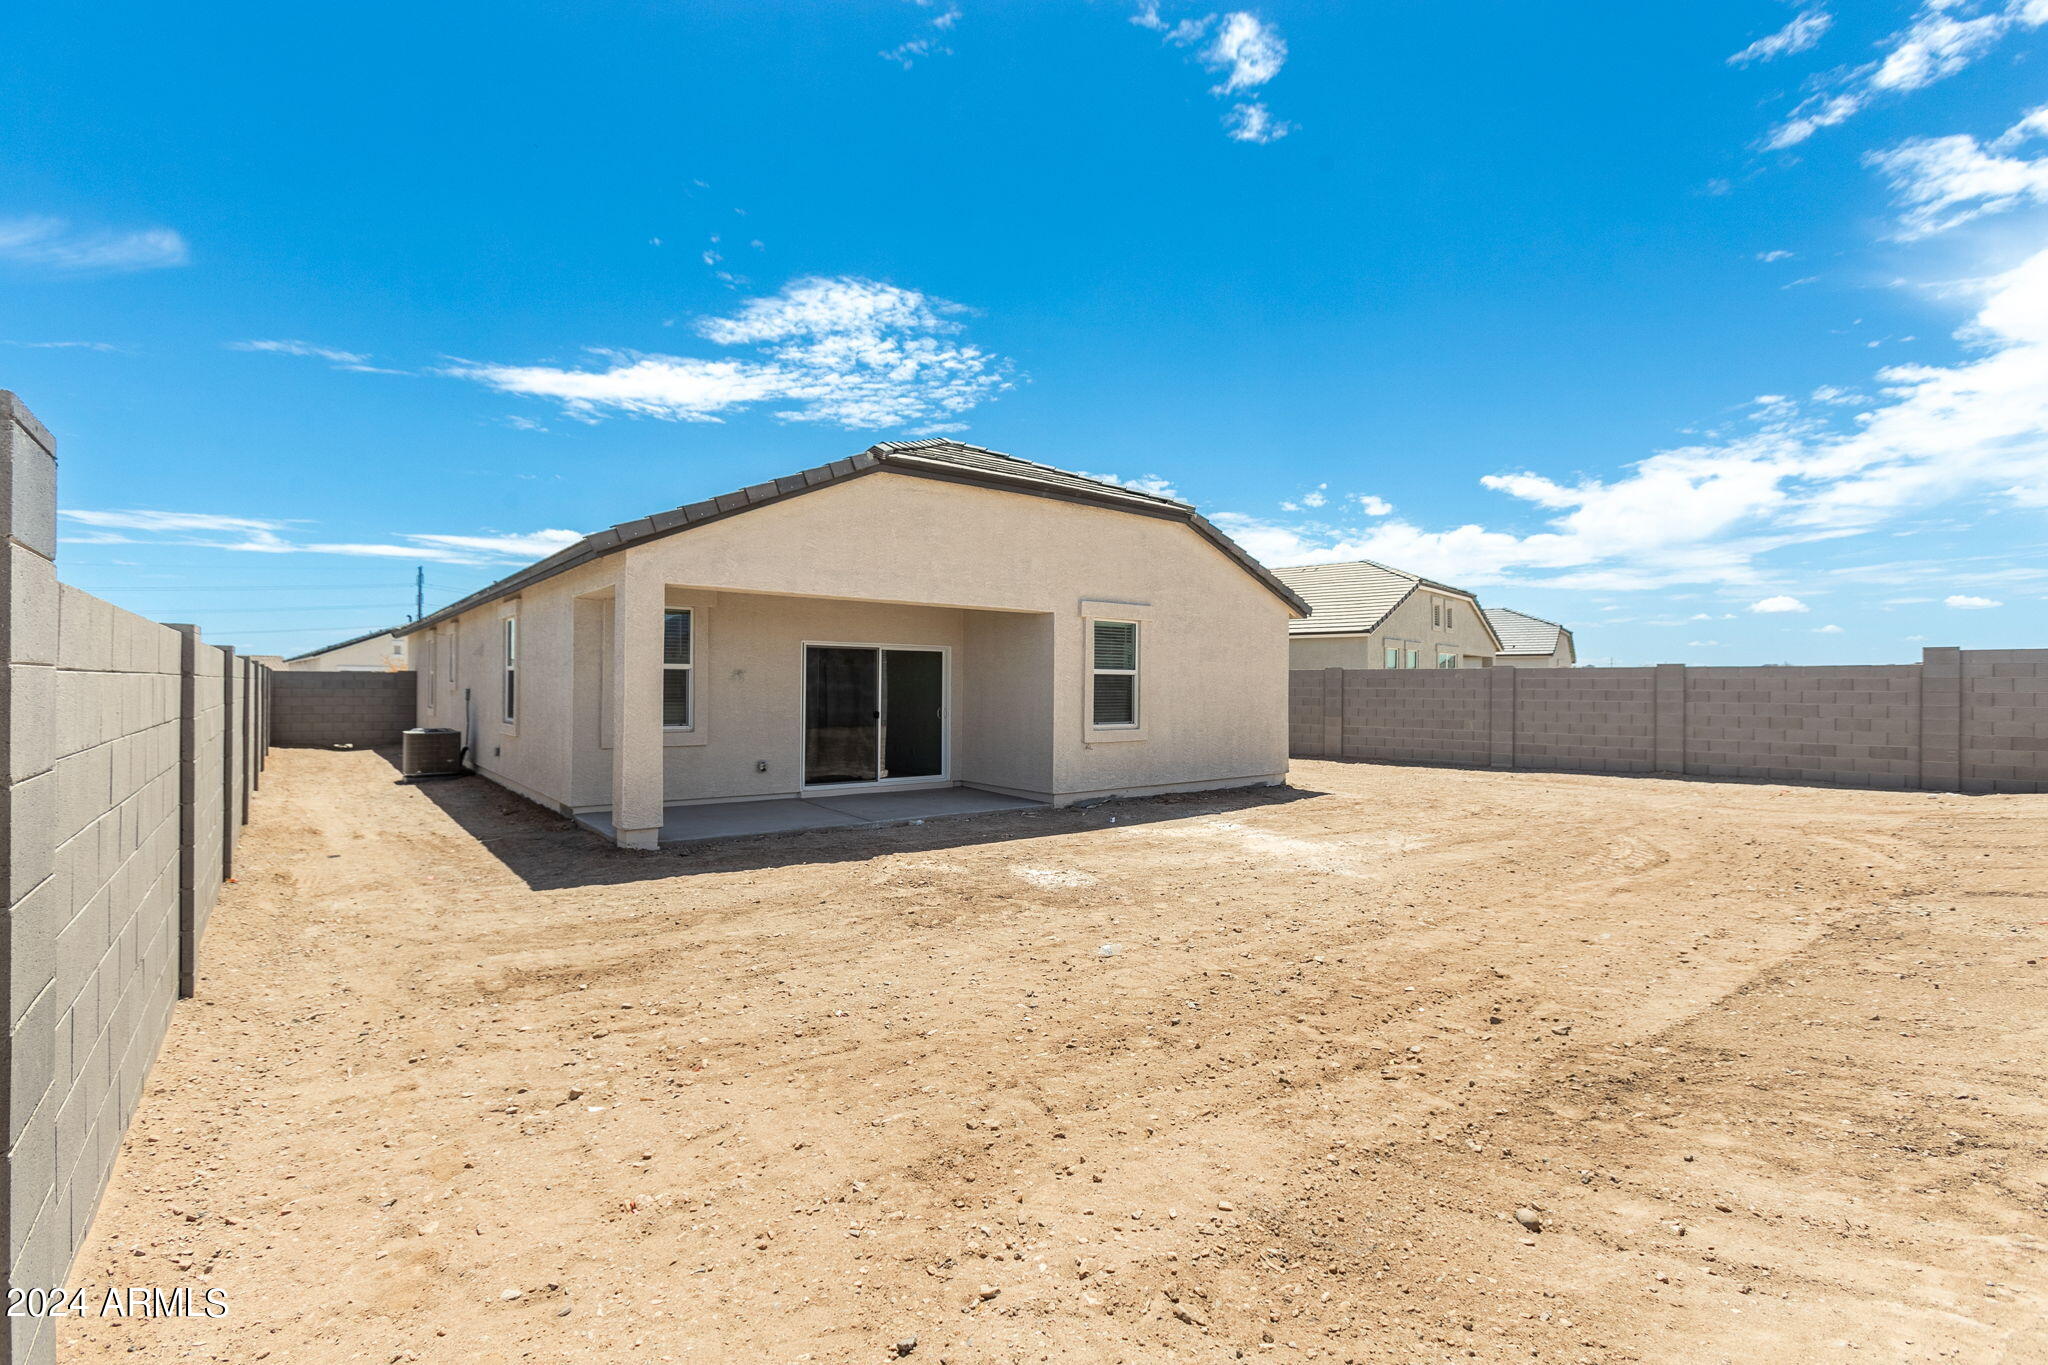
419,593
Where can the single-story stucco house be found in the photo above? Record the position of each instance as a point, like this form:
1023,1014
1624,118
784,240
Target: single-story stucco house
1530,641
1367,615
378,652
925,614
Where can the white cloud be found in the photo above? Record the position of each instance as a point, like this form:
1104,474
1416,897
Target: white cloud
1254,122
1374,506
1148,483
845,350
906,55
1781,603
1803,32
1702,644
1828,630
1946,181
1965,602
65,345
1774,255
1245,49
1249,52
54,244
1706,513
1942,38
301,348
261,535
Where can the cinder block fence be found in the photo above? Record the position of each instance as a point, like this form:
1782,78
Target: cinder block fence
131,749
320,710
1972,720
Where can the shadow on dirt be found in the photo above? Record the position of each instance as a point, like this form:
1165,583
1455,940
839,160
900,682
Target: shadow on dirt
551,852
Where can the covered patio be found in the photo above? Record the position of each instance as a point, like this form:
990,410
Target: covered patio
702,821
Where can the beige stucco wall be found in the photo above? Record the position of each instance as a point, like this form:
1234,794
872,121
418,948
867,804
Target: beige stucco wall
380,652
1332,651
1001,580
1408,625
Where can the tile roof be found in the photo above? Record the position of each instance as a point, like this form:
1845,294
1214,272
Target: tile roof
1521,633
934,458
1346,598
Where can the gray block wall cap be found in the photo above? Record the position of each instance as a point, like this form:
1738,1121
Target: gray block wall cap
16,411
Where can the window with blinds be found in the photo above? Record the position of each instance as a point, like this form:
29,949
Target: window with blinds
511,669
1113,691
676,669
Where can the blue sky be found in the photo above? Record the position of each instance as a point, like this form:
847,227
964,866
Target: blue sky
1719,332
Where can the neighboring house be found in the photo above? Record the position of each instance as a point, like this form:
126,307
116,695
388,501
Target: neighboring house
1366,615
924,614
1530,641
379,652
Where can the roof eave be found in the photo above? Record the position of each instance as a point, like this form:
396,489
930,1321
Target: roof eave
663,524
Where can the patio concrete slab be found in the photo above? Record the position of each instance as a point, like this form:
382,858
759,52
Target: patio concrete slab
737,819
733,819
922,805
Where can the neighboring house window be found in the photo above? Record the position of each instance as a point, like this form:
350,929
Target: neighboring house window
1446,658
511,668
1113,699
1414,658
676,670
430,658
454,652
1393,656
1449,624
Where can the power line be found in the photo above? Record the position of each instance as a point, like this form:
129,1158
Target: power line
301,630
271,610
255,587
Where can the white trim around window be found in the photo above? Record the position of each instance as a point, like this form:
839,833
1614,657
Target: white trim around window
430,650
1116,697
508,669
678,670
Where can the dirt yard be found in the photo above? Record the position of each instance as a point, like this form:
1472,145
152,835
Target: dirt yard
1255,1076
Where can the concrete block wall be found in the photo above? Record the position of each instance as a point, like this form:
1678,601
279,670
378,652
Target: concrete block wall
1960,720
1305,693
1586,720
1857,726
119,807
2003,704
1424,716
318,710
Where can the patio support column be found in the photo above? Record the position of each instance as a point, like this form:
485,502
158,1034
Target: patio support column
637,753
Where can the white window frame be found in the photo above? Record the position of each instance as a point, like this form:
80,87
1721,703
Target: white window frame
1095,673
431,647
508,665
1137,615
689,669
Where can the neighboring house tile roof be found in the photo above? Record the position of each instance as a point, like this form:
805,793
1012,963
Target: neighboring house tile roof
1521,633
1348,599
329,649
936,458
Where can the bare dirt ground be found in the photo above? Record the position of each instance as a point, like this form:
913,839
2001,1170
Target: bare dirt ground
1767,1066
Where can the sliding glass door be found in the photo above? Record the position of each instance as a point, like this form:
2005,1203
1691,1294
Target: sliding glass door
873,714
